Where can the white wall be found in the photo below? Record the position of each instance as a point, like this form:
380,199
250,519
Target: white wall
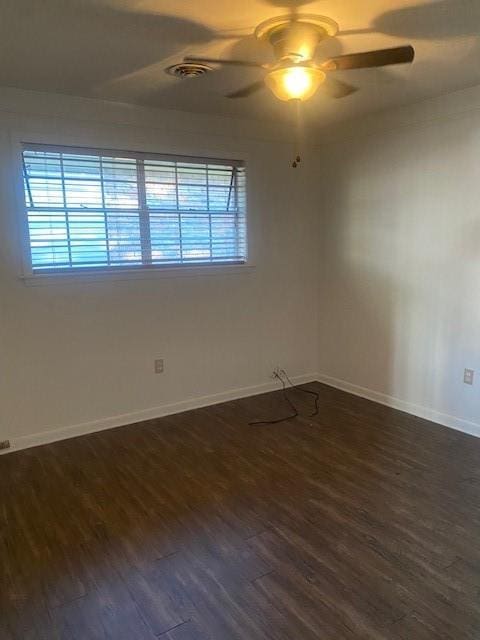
394,266
73,353
399,306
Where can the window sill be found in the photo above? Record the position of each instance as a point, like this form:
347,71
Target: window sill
141,274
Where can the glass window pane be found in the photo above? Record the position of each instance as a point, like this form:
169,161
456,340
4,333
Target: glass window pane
87,210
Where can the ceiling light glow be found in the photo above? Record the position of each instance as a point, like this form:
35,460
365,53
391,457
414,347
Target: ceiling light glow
295,82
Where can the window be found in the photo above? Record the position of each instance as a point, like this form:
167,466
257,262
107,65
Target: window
103,210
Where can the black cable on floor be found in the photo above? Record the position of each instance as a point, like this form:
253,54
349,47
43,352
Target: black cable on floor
295,413
313,393
294,410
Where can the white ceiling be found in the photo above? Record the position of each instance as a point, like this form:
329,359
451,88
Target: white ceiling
118,49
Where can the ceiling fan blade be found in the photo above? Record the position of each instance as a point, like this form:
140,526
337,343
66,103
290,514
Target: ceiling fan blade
378,58
337,89
236,63
248,90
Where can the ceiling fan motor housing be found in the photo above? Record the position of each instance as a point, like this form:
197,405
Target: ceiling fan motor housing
296,39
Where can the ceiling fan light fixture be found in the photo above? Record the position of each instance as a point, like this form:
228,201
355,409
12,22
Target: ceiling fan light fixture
295,82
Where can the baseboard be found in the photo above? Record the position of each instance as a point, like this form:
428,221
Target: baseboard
45,437
459,424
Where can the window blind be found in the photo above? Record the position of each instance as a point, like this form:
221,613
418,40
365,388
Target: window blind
93,209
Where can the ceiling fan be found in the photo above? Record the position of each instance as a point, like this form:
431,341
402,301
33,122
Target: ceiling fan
297,73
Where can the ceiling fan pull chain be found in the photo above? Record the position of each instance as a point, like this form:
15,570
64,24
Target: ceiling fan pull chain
298,135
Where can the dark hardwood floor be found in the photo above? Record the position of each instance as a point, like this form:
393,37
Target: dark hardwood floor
362,522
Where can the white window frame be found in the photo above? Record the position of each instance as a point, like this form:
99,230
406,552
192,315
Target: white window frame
19,139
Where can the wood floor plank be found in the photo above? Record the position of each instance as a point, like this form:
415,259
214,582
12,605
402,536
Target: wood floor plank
360,522
186,631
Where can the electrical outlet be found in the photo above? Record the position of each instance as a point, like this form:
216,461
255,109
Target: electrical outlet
159,365
468,376
5,444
